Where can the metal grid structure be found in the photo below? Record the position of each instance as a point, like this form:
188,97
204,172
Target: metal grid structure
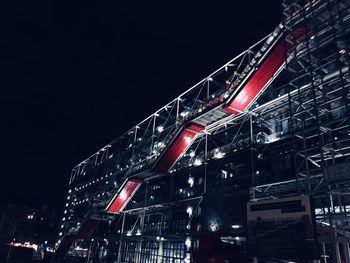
291,138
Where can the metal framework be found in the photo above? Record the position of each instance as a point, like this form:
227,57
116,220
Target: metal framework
292,137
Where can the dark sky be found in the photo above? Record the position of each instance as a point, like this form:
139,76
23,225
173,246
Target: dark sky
75,75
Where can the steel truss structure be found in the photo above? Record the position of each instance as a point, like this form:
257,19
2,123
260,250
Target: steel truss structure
271,123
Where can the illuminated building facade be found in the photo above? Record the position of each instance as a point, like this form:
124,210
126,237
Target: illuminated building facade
271,124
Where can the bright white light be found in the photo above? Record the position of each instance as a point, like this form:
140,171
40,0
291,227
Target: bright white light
218,154
160,128
325,223
66,204
60,234
197,162
192,154
129,233
236,226
160,144
188,139
190,181
269,40
189,211
188,242
214,225
69,191
184,113
138,232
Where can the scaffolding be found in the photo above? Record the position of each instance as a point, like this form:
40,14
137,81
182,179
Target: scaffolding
291,139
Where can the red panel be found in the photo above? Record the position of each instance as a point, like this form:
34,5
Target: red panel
195,127
258,81
261,77
127,190
178,147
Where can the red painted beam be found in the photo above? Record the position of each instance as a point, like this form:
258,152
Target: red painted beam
272,63
121,199
178,147
87,228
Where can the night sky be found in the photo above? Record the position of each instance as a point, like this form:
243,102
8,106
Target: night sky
76,75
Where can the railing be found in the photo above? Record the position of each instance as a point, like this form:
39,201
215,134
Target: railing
138,148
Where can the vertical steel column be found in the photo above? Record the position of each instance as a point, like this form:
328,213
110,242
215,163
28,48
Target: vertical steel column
335,245
324,252
177,112
121,240
133,146
153,129
160,252
142,222
205,162
252,154
208,88
345,243
89,251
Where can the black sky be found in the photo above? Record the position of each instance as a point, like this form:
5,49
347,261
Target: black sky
75,75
